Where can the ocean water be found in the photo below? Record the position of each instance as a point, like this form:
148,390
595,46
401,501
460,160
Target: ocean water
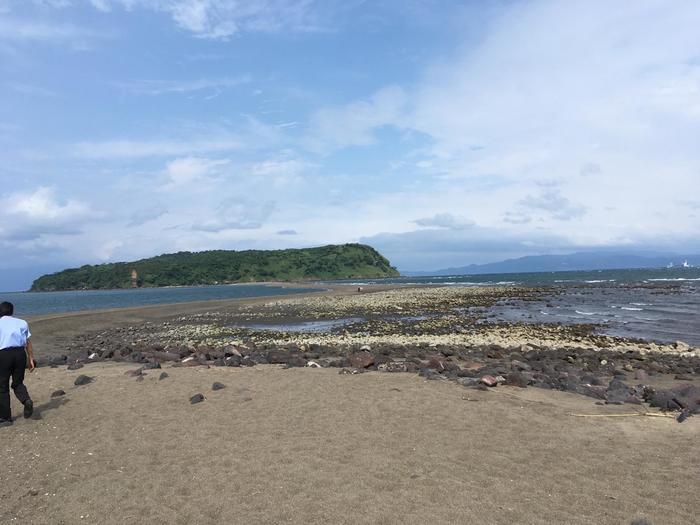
653,304
40,303
633,276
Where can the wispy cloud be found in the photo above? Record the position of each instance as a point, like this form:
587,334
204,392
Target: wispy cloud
160,87
29,89
354,124
237,214
23,30
222,19
128,148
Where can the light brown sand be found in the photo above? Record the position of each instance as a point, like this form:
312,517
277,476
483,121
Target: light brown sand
313,446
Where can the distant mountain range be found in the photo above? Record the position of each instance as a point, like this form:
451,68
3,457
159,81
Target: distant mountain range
571,262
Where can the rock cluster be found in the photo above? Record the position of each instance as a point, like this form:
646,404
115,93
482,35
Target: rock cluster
609,376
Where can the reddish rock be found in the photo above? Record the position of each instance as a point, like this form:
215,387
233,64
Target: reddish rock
362,359
490,380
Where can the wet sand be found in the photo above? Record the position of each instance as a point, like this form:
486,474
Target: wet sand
313,446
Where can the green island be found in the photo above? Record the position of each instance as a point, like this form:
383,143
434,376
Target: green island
346,261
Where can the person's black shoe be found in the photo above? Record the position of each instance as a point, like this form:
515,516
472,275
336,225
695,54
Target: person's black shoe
5,423
28,409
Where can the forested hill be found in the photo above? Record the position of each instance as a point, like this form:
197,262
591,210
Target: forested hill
224,266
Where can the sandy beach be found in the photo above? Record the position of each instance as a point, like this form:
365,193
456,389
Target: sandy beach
313,446
287,442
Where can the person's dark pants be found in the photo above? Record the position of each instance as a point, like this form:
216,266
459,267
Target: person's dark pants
13,361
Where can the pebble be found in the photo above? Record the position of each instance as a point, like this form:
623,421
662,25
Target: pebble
218,386
58,393
162,376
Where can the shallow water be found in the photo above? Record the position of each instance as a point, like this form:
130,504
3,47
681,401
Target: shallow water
653,313
38,303
305,326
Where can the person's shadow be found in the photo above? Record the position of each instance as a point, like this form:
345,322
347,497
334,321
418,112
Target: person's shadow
49,405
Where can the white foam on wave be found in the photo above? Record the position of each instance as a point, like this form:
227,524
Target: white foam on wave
631,308
584,313
676,279
600,281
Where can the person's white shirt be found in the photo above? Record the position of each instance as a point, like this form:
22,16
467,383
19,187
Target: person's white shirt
14,332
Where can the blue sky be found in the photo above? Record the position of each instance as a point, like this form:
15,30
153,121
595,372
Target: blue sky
443,133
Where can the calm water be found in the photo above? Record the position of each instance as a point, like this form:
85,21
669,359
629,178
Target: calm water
660,275
37,303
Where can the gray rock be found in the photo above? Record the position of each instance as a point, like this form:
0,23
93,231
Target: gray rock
75,366
162,376
197,398
58,393
218,386
83,380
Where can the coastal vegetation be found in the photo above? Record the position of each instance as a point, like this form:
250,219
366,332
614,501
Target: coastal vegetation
345,261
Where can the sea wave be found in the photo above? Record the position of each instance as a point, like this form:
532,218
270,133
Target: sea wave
675,279
631,308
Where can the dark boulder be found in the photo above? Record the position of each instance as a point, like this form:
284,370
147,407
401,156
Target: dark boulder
518,379
58,393
218,386
619,393
197,398
83,380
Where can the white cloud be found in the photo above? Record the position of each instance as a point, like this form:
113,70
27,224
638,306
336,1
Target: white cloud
40,212
354,124
445,220
280,172
188,170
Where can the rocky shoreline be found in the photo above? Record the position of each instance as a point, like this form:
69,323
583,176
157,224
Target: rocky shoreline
435,332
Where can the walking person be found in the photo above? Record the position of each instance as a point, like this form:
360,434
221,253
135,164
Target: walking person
16,354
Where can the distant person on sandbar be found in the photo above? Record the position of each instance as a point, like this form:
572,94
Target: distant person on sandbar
16,354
